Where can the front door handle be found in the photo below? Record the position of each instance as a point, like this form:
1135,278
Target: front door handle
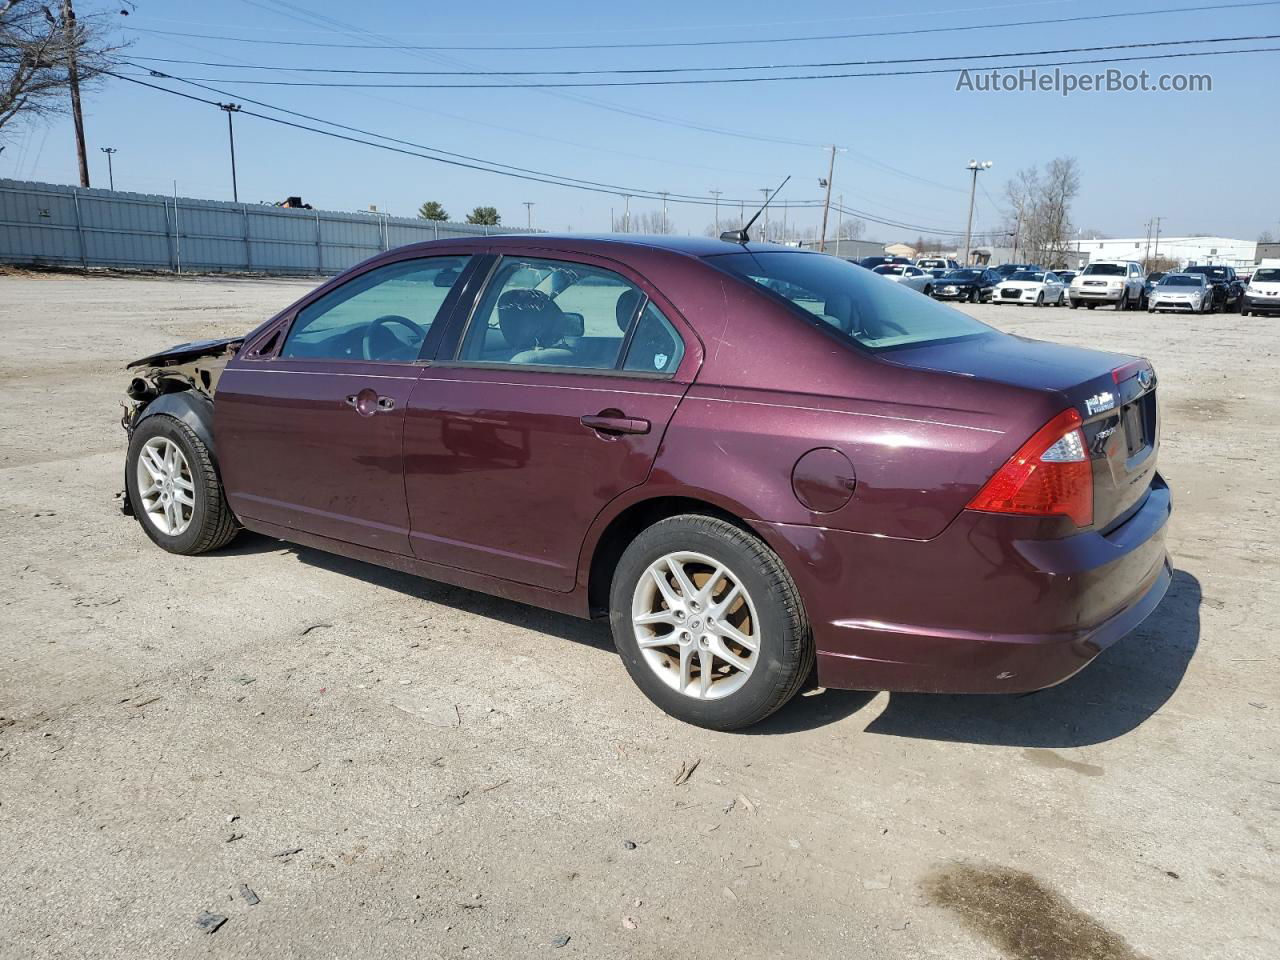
616,423
367,402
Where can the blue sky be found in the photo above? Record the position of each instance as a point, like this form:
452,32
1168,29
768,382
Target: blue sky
1219,178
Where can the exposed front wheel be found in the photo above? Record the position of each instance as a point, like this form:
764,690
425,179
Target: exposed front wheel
174,489
709,623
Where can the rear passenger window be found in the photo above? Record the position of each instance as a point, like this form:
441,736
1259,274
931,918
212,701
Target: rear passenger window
655,346
553,313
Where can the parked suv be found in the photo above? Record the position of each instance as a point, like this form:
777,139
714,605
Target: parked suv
1228,291
1119,283
937,263
1263,293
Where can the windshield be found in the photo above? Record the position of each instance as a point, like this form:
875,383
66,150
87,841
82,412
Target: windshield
1025,275
963,275
1106,270
873,314
1269,275
1174,280
890,269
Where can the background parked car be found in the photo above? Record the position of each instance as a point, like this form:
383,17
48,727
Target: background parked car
908,276
1262,295
1040,289
1228,291
1189,292
1066,276
937,263
968,283
1152,279
872,262
1118,283
1006,270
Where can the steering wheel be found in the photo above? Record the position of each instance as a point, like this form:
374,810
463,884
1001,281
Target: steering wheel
366,346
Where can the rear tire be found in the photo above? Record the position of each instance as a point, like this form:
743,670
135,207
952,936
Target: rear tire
181,507
747,685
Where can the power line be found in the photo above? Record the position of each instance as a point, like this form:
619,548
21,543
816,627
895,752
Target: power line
610,187
727,80
1058,21
720,69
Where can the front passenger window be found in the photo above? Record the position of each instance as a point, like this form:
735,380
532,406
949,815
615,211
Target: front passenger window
383,315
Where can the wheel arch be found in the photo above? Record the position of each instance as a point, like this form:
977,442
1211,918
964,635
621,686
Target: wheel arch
611,535
192,408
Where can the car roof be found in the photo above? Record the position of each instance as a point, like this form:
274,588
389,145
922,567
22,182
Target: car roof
612,244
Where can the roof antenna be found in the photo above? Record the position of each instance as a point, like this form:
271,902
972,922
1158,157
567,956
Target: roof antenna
740,236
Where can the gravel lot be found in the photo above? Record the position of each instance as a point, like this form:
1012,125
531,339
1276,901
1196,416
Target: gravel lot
398,768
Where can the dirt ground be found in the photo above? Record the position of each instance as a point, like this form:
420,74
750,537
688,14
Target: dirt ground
396,768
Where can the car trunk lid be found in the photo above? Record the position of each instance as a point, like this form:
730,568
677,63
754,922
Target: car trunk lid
1114,394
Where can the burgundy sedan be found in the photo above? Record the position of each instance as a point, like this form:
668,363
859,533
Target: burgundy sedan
747,457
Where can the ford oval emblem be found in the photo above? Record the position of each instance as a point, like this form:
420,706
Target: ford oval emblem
1145,378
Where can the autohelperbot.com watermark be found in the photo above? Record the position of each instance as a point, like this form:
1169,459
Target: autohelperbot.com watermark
1066,83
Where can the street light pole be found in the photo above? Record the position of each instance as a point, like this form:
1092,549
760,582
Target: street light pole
528,209
626,213
231,108
664,194
717,194
975,167
111,174
766,191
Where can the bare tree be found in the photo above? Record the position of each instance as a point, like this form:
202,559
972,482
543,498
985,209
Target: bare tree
1039,216
38,49
651,221
1266,237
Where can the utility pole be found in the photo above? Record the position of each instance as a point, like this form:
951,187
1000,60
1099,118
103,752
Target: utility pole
528,210
826,203
111,174
664,194
1158,219
72,34
839,223
766,191
1017,234
976,168
626,214
231,108
716,194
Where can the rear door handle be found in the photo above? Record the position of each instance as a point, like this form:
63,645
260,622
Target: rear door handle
616,424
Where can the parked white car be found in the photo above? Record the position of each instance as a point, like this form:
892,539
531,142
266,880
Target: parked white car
1117,283
1182,293
908,276
1263,293
937,263
1040,289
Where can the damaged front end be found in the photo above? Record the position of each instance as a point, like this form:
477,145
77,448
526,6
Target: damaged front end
179,382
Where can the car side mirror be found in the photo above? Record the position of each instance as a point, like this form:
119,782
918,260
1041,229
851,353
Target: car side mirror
575,325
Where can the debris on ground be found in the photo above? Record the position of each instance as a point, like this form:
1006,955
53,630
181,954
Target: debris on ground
686,771
561,941
209,922
747,805
629,923
628,844
251,898
288,853
243,681
315,626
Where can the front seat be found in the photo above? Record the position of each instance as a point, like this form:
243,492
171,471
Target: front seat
534,327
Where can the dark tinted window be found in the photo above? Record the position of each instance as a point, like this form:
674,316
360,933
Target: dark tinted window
963,275
381,315
1106,270
850,301
1266,275
1024,275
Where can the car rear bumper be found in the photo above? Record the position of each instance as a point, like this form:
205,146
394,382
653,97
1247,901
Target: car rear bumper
982,608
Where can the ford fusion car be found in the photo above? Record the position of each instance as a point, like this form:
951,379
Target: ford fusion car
1037,288
746,458
1181,292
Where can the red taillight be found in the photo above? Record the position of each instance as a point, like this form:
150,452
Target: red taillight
1050,475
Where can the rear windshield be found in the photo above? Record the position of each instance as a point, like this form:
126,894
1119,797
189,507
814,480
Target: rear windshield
1269,275
850,301
1183,281
1218,273
1106,270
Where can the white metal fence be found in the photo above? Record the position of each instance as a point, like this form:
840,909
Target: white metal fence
54,224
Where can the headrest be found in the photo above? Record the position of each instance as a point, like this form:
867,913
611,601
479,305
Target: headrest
529,318
840,306
625,309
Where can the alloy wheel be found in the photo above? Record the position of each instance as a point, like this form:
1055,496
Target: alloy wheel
696,625
165,486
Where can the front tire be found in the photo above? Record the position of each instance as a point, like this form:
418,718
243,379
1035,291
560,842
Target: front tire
174,489
709,623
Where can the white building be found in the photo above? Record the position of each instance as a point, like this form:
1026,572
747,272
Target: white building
1188,251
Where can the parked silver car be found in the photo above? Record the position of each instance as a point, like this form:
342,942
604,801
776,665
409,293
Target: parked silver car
908,276
1181,292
